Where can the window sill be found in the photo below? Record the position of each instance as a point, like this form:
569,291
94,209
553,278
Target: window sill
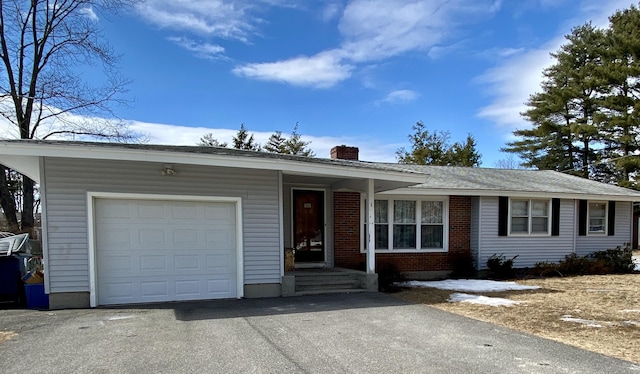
541,235
405,251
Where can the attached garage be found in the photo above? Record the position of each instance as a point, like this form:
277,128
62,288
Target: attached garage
161,248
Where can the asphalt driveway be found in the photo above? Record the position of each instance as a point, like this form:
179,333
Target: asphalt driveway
357,333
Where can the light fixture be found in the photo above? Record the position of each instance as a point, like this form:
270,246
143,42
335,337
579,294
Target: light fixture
168,170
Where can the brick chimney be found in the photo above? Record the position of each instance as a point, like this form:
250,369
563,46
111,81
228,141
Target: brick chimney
342,152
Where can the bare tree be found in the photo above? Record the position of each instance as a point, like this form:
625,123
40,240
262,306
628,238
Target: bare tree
509,162
43,45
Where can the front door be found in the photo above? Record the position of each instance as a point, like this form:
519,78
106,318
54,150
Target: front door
308,225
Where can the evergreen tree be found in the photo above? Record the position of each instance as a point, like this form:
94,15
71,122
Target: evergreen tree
565,114
294,145
207,140
244,140
434,149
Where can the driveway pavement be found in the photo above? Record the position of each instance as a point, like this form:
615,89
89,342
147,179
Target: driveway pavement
357,333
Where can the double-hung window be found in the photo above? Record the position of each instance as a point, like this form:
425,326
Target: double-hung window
597,216
405,224
530,217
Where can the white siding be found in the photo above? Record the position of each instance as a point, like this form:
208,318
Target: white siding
529,249
69,180
592,243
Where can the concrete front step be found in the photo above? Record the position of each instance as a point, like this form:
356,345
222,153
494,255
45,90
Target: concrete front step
328,290
316,282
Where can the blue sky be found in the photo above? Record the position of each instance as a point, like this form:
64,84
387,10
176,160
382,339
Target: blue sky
355,72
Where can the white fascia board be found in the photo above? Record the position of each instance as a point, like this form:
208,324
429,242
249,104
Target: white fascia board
170,157
27,165
496,193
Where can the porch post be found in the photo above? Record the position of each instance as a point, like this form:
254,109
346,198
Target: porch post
371,250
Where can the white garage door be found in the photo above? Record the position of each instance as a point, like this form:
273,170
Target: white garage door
155,250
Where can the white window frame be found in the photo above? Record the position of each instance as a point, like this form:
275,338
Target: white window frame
418,200
530,217
605,230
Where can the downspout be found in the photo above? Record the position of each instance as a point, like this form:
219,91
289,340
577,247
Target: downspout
575,226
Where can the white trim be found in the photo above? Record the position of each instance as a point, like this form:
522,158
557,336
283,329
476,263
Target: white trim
480,231
324,223
44,231
605,231
418,199
530,218
576,229
92,196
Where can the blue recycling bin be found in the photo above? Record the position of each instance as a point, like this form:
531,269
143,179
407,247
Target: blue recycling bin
36,298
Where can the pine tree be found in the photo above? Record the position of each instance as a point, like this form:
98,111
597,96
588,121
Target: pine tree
434,149
244,140
294,145
207,140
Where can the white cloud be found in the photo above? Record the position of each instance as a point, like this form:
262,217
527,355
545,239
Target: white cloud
218,18
202,50
370,149
322,70
372,30
330,11
519,74
399,96
89,13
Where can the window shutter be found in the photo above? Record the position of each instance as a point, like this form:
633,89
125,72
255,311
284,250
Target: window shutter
611,219
503,215
555,217
582,218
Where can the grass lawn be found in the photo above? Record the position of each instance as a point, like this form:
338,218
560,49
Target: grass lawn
601,313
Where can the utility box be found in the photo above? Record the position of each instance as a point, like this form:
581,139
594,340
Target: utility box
36,298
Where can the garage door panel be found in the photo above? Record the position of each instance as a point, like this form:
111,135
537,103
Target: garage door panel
164,250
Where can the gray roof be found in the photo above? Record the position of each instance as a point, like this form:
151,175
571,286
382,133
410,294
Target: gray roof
450,178
439,179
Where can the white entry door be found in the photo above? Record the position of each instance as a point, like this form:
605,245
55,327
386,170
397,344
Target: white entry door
158,250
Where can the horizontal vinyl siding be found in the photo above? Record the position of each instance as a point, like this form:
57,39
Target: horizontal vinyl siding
69,180
529,249
592,243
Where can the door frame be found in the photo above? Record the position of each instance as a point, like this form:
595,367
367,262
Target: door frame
324,231
91,232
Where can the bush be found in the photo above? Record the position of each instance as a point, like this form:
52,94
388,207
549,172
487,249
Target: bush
462,265
500,267
616,261
388,274
610,261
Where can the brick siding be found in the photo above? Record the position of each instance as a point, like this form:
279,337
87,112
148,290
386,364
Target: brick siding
347,226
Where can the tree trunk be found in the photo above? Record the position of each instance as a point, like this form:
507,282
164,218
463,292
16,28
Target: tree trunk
27,206
8,202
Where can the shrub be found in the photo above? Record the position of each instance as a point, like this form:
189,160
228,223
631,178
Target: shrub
462,265
616,261
500,267
610,261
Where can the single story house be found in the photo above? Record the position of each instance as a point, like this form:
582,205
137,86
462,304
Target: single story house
125,223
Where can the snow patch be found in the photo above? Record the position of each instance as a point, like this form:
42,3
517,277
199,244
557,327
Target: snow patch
469,285
586,322
483,300
630,311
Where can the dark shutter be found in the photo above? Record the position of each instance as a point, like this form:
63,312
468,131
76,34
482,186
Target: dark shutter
611,219
555,217
582,218
503,215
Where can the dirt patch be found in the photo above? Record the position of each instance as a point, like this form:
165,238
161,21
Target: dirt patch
6,335
610,301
